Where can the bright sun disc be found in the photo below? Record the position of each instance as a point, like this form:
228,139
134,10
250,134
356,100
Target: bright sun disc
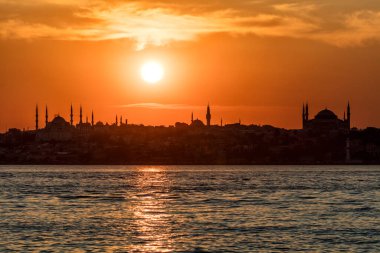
152,72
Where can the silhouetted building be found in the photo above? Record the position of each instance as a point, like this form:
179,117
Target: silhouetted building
71,116
181,125
348,151
99,124
56,130
80,115
36,117
208,115
197,123
46,117
60,142
325,120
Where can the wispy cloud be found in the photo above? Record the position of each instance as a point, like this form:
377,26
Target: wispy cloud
358,28
298,8
160,106
160,23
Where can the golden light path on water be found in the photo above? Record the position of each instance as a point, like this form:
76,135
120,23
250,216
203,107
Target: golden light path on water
151,211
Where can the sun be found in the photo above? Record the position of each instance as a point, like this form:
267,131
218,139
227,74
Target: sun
152,72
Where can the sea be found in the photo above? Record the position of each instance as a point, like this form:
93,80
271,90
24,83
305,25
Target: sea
189,208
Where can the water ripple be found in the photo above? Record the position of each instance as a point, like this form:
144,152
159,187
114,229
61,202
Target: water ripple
189,209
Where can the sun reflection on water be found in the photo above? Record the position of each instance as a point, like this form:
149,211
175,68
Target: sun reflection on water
151,215
152,169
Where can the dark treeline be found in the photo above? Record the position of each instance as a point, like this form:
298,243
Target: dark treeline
234,144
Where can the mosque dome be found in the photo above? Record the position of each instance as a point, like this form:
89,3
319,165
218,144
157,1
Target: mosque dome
197,123
59,122
99,124
326,115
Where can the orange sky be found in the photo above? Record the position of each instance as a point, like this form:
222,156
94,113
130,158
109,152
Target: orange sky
253,60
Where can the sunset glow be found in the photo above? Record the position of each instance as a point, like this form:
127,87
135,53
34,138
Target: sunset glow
152,72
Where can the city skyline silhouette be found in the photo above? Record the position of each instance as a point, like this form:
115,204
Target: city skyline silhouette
78,139
78,117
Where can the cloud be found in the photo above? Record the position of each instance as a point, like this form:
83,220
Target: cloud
296,7
155,26
160,23
358,28
219,108
162,106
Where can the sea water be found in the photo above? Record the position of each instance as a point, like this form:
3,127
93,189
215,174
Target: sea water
189,208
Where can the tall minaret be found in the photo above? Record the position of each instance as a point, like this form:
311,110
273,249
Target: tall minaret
208,115
116,121
71,115
46,117
303,116
348,116
36,117
192,117
121,120
92,118
80,115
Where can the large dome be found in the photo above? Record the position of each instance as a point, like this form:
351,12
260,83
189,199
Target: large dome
326,114
197,123
59,122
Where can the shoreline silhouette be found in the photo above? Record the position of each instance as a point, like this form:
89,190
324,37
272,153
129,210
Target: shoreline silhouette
326,139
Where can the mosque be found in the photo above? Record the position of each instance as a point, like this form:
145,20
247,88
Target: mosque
60,130
198,123
326,120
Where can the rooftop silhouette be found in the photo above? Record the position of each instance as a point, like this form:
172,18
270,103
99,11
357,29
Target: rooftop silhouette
323,139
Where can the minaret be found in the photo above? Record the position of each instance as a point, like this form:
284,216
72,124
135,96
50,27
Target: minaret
303,116
46,116
307,112
192,117
71,115
221,122
116,121
80,115
92,118
208,115
121,120
348,116
36,117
